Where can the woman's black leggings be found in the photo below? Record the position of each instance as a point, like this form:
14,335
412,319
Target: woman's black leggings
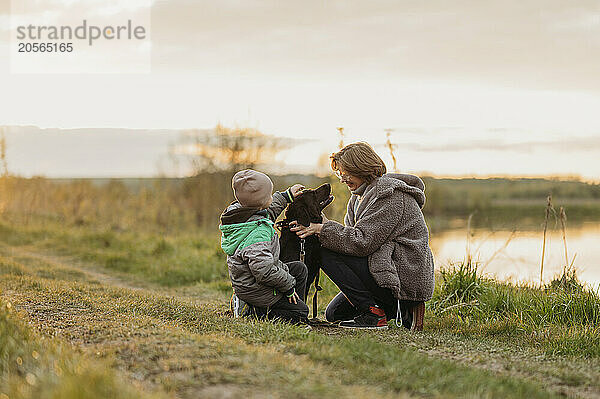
359,291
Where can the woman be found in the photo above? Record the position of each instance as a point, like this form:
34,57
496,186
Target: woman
380,258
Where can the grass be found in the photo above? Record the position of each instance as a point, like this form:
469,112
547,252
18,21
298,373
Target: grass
163,205
562,318
169,261
33,366
154,307
195,346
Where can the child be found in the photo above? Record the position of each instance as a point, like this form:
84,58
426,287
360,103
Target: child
271,288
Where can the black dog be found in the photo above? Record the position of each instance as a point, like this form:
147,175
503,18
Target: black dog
305,209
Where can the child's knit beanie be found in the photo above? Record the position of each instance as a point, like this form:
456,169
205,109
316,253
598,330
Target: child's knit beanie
251,188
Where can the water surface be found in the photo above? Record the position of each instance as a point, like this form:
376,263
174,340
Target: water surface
518,258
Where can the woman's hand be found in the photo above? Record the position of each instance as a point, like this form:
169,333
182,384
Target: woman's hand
303,231
296,189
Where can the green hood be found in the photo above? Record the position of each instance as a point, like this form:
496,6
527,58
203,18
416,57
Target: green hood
241,235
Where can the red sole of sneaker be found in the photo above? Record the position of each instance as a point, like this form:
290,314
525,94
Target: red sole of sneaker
366,328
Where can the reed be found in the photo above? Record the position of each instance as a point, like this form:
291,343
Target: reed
391,147
4,178
563,225
341,133
549,210
3,162
469,235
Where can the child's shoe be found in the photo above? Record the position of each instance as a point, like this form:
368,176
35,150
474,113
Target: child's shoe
238,307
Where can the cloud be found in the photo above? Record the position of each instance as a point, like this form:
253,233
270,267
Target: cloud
540,44
537,44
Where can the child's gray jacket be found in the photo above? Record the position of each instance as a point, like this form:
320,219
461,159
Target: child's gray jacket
251,243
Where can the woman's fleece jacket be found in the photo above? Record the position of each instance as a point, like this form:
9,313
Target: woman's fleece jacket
248,238
384,222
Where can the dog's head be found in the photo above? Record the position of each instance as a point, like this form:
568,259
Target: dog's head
307,206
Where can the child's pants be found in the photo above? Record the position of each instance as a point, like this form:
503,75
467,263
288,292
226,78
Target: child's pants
283,309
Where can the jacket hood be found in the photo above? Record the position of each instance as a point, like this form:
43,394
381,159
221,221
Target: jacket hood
234,236
237,222
409,184
236,213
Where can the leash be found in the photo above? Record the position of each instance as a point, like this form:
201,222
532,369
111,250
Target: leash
302,251
281,225
317,289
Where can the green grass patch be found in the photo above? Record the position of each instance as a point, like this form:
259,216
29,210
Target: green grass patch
32,366
561,318
165,260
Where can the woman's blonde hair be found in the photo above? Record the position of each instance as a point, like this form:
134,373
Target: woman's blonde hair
360,160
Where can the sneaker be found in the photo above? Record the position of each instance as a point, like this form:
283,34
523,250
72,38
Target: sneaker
238,307
374,318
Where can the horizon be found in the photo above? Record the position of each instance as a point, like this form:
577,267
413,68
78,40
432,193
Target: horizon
138,153
567,179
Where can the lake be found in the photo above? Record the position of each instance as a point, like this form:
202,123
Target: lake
518,258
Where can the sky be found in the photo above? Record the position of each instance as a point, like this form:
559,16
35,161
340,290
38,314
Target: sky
467,87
